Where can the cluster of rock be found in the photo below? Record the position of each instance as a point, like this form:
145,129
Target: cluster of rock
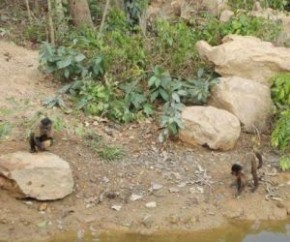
243,95
246,65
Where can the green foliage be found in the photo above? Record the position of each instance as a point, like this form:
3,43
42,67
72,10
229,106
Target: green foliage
198,89
68,64
275,4
248,4
174,47
100,99
280,137
284,162
174,92
281,90
36,31
5,129
241,4
281,134
58,123
242,24
116,20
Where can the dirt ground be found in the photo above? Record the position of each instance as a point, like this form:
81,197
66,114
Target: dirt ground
191,186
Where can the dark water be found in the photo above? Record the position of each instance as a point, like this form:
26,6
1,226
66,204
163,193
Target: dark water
235,232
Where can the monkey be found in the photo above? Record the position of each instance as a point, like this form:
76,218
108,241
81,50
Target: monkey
241,175
42,138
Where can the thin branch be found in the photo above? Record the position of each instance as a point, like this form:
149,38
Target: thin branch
28,11
50,23
104,15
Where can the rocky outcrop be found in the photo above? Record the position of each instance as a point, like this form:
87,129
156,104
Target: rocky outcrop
246,99
246,57
280,17
216,128
43,176
186,9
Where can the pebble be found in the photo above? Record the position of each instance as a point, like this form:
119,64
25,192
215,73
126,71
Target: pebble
151,205
135,197
116,207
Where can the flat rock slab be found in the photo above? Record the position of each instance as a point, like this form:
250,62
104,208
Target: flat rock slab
43,176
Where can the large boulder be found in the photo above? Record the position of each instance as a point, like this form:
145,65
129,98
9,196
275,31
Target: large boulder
247,57
43,176
248,100
216,128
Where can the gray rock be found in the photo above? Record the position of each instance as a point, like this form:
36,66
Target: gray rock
43,176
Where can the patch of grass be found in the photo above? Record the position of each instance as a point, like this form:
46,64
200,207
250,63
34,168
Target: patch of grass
5,129
5,111
111,152
105,151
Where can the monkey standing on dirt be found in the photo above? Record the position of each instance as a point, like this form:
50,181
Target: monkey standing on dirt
256,161
41,138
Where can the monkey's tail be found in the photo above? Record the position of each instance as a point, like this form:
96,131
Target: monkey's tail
254,172
259,157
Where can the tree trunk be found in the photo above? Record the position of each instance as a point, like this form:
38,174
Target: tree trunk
80,12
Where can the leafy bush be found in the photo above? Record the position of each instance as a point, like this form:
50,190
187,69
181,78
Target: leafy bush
174,92
174,47
280,137
68,64
248,4
281,90
242,24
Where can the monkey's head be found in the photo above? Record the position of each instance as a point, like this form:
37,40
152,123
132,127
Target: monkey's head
45,125
236,169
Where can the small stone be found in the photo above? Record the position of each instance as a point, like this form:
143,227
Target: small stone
173,190
156,186
151,205
43,207
116,207
181,185
279,204
135,197
200,189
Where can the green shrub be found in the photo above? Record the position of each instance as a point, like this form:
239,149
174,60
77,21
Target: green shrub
68,64
174,47
242,24
280,137
281,90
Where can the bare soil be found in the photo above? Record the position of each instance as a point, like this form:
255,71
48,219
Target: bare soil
190,185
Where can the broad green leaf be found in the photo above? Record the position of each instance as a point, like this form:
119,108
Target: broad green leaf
64,63
80,57
164,94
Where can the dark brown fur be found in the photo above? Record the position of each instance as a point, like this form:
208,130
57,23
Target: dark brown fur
241,179
42,138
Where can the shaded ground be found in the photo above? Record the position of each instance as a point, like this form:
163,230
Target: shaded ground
191,186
